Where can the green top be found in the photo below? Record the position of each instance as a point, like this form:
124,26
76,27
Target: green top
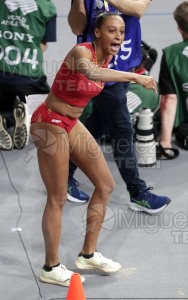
177,61
139,97
22,28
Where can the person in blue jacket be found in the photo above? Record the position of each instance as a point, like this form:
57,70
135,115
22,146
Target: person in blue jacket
110,109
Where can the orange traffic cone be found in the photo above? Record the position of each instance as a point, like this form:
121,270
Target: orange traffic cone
75,291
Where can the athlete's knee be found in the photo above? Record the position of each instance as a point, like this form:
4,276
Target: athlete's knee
57,200
106,187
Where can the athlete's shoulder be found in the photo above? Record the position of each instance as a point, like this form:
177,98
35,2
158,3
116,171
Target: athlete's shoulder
82,47
85,45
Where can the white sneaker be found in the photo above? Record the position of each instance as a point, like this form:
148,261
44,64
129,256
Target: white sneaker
59,275
22,126
5,137
97,262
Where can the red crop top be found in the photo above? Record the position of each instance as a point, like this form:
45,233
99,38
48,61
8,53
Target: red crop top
73,87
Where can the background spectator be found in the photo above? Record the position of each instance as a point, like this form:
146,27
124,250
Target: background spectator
26,27
110,112
173,84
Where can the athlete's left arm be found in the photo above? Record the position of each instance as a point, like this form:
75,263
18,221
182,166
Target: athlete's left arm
134,8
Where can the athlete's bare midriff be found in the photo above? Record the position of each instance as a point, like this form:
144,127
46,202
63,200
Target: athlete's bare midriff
59,106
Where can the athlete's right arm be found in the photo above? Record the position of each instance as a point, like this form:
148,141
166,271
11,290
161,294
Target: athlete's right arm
80,59
77,17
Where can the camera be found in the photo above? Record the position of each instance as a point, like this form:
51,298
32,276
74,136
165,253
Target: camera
149,56
145,144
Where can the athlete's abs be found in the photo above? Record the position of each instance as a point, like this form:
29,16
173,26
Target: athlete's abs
59,106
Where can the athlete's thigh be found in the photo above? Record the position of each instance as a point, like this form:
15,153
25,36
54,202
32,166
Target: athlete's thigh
87,155
53,155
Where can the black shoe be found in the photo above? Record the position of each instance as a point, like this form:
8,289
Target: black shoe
166,153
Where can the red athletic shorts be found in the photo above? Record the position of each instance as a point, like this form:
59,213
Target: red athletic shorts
46,115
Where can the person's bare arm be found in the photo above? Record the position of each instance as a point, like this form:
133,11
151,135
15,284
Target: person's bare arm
77,17
43,46
135,8
80,59
168,105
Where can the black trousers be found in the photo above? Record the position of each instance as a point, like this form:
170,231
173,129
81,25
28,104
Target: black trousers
10,93
110,113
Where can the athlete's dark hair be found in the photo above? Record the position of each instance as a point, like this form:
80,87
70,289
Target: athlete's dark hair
102,16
